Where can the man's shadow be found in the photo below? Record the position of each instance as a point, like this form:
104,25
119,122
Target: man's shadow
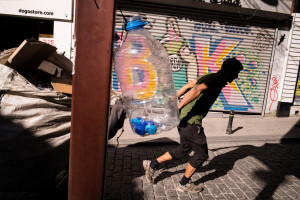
279,161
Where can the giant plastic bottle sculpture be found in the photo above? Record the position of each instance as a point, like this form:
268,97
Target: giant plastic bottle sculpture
144,72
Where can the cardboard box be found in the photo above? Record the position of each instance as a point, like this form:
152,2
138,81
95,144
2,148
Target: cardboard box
61,61
29,55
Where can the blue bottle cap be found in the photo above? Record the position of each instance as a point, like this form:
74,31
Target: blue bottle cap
144,124
135,121
151,129
139,130
141,119
134,23
150,122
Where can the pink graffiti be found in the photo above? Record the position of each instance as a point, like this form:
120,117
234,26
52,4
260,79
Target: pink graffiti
205,61
241,58
172,34
273,91
254,63
211,60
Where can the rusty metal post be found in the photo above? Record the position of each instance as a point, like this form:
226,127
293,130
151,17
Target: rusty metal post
94,24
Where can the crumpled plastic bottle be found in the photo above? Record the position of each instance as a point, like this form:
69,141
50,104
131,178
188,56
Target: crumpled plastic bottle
144,72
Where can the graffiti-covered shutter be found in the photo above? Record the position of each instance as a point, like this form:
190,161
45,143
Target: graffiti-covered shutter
293,64
199,41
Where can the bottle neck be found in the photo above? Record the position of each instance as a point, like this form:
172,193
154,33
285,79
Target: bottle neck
131,30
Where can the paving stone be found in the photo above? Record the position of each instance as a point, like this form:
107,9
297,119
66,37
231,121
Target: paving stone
229,182
172,198
137,181
126,171
160,198
112,196
239,193
276,196
138,174
250,183
171,193
208,197
214,190
169,186
176,179
159,190
250,194
143,157
167,179
244,187
234,177
126,179
230,196
148,192
295,188
149,197
126,193
196,196
293,194
223,188
281,193
137,196
184,197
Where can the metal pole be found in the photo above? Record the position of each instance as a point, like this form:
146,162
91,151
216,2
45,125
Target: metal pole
229,126
94,23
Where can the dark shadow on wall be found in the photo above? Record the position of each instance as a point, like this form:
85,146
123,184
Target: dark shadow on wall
30,166
280,164
271,2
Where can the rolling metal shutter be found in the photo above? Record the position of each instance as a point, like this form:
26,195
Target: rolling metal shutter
292,70
198,41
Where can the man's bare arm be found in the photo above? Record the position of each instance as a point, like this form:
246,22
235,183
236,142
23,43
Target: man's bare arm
184,88
192,94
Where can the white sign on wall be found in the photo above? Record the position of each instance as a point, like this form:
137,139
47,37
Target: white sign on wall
50,9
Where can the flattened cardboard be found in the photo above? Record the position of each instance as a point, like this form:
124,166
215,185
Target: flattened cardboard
62,84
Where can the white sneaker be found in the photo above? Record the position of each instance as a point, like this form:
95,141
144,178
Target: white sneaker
149,172
189,187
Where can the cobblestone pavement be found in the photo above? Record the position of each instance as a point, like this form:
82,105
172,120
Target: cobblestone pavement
245,171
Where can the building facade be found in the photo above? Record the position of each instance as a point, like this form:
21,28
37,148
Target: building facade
199,35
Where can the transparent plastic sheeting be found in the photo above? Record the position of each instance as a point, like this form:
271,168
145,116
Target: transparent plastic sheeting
143,70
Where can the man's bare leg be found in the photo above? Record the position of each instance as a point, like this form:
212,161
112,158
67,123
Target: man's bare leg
166,156
189,171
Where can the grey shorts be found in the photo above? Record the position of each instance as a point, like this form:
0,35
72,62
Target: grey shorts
192,138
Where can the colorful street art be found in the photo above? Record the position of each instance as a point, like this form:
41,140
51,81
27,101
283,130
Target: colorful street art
250,78
203,52
181,55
